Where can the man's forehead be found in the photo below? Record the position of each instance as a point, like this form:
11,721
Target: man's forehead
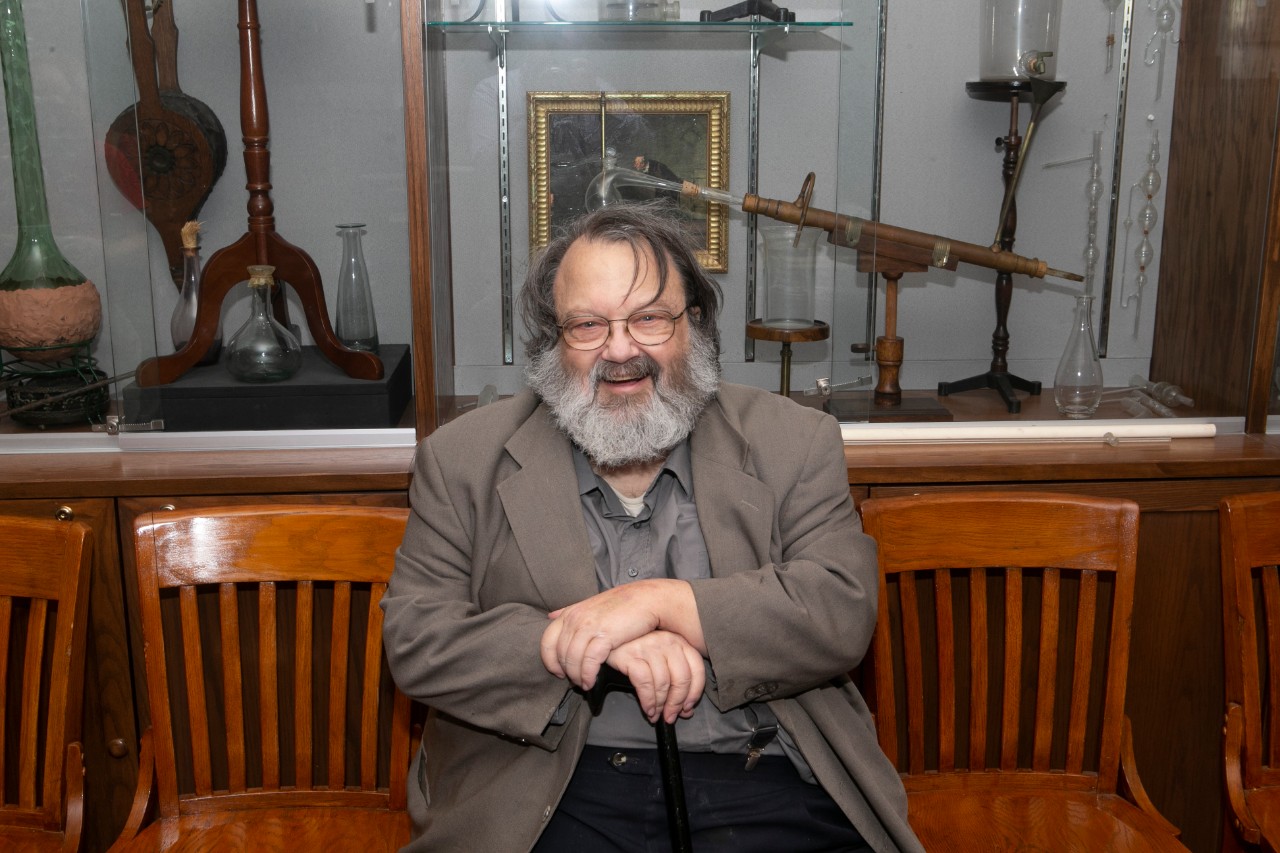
576,271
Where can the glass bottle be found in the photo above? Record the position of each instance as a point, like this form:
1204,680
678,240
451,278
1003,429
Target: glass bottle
355,324
262,350
44,300
183,321
1077,386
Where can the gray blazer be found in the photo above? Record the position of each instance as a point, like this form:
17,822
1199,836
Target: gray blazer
496,540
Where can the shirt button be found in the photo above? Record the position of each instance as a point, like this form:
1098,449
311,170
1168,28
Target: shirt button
632,572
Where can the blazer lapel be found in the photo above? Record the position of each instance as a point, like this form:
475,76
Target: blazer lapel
541,503
735,510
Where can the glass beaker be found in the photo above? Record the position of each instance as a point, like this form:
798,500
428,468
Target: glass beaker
1077,386
1018,39
789,268
355,324
262,350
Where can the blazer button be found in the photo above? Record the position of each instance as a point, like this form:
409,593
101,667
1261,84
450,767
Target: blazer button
546,814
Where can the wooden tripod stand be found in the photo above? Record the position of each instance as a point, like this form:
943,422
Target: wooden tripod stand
259,245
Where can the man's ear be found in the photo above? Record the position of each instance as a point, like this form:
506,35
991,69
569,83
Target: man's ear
695,310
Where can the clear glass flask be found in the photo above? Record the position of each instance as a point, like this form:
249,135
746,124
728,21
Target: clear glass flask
1077,386
183,321
354,323
263,350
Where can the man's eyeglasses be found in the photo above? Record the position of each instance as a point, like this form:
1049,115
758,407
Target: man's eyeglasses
648,328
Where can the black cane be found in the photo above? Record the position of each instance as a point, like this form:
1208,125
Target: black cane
668,759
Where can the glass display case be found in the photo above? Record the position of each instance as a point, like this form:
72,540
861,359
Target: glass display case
875,107
525,106
463,150
140,119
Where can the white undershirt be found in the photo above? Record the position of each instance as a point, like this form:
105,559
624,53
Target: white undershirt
633,506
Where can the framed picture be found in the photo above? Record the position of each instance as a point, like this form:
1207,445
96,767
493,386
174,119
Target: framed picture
677,136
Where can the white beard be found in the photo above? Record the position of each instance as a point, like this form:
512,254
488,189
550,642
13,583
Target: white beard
631,431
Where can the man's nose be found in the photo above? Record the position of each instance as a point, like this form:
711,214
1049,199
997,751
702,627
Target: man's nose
619,346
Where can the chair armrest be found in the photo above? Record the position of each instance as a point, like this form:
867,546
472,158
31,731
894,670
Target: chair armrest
1131,784
144,792
1232,747
73,807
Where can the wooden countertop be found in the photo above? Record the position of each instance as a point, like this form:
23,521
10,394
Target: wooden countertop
1222,456
66,475
140,473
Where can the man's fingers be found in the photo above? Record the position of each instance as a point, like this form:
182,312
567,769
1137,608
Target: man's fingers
549,649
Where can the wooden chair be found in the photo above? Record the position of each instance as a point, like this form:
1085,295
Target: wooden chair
274,721
44,607
998,670
1250,536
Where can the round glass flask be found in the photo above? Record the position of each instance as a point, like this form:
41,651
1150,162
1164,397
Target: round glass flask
262,350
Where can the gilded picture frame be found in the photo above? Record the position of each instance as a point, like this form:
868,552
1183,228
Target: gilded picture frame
680,136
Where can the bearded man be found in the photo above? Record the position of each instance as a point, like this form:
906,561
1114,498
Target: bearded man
632,509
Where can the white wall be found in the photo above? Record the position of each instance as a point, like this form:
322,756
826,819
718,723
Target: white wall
334,91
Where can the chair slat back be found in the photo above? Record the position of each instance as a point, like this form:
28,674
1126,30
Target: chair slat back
1250,559
44,600
1001,646
262,630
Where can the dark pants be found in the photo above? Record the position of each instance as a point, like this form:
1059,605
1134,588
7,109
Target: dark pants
614,802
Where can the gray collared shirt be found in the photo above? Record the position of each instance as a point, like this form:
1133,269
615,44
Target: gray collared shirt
662,541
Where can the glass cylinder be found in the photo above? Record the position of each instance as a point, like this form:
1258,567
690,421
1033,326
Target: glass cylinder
45,302
183,321
355,324
639,10
262,350
1077,386
788,273
1018,39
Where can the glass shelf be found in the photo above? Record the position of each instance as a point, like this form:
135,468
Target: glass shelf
741,26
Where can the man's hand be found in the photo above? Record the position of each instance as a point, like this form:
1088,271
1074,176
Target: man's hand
667,673
581,636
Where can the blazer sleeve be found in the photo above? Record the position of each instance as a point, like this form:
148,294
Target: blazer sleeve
806,613
478,665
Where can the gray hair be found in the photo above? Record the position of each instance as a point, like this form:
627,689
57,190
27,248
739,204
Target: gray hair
641,226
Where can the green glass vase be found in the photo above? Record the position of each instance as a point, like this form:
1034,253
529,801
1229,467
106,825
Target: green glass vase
47,306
